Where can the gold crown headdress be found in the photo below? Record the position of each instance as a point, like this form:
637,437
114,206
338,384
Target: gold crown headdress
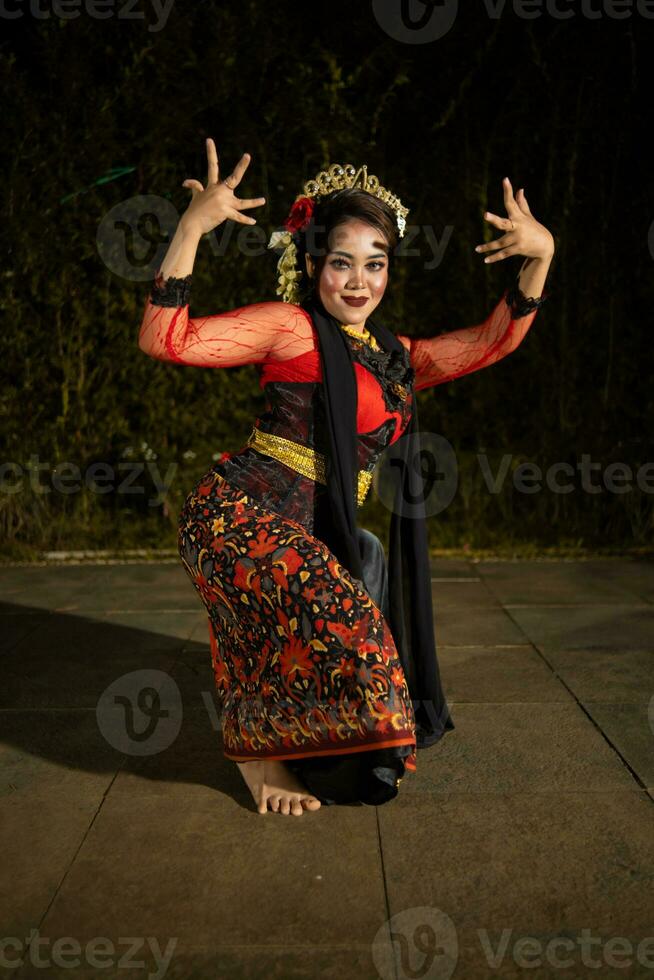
335,178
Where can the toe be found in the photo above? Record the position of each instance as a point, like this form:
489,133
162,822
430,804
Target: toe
311,803
274,803
296,808
285,805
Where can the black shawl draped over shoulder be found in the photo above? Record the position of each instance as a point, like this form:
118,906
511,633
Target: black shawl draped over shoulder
409,574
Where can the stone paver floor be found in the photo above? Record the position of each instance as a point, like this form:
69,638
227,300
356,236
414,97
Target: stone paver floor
522,847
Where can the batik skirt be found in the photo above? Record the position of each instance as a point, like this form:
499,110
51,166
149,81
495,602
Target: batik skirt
305,665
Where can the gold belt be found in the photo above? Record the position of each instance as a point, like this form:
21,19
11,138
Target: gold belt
303,459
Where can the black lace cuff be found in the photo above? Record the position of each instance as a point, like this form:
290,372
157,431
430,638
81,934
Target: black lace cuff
172,292
521,305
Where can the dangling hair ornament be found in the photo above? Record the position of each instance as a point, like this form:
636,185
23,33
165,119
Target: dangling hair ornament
288,272
335,178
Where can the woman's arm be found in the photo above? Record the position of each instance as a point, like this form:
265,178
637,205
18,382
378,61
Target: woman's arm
532,275
452,354
459,352
246,335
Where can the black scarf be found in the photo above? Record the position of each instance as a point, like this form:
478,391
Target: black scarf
409,574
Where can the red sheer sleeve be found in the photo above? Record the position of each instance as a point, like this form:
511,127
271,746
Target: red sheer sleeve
252,334
457,352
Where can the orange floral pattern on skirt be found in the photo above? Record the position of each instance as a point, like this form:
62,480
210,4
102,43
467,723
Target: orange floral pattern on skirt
304,662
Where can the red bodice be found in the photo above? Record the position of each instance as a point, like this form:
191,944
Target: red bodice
281,339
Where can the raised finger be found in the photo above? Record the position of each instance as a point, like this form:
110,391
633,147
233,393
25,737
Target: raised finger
509,200
240,169
212,163
502,254
249,202
494,219
193,185
245,219
494,245
522,201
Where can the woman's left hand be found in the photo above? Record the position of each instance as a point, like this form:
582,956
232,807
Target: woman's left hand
523,234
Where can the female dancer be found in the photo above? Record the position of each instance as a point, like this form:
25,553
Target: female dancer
323,657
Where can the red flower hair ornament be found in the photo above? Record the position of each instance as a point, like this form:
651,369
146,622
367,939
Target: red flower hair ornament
288,274
300,214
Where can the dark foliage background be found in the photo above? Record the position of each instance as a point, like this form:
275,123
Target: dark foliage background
99,111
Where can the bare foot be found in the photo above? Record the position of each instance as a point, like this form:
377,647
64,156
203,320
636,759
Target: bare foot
271,782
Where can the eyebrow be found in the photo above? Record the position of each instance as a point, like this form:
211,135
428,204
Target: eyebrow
375,255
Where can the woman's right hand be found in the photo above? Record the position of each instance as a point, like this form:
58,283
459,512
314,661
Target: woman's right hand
212,205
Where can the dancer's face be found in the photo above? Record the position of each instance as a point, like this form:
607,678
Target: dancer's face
356,265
